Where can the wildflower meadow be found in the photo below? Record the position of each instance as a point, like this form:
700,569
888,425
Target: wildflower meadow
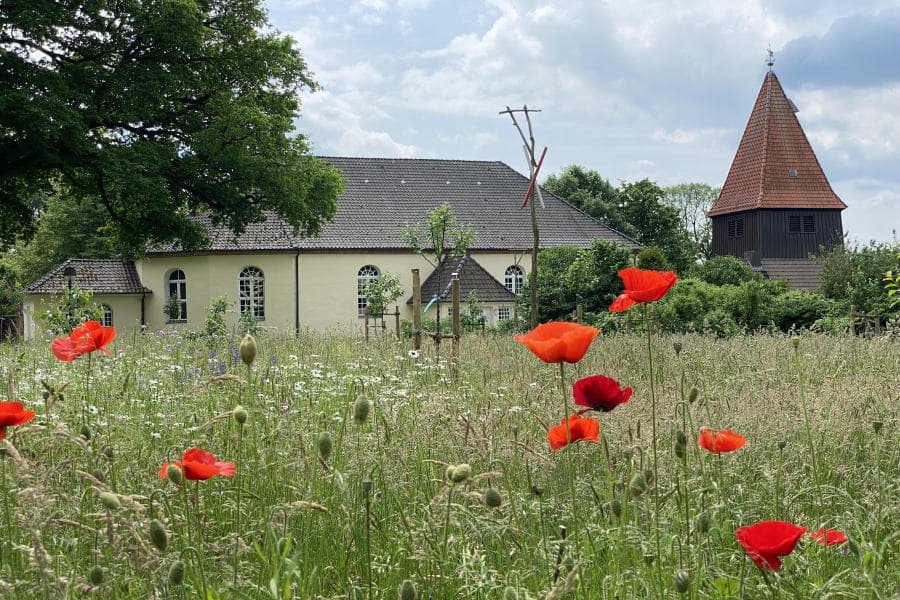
564,463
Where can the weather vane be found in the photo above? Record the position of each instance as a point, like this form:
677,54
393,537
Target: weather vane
771,59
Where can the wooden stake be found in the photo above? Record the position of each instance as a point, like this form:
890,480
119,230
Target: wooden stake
397,320
417,310
457,329
366,322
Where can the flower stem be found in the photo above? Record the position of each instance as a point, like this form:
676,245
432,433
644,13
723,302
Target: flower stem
653,431
570,469
239,490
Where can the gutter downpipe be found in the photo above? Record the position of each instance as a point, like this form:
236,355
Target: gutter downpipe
297,293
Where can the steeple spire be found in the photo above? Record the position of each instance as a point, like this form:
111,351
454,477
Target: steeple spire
770,60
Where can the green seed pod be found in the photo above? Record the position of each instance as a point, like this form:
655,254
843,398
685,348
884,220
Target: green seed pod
853,547
693,394
99,475
240,414
650,476
158,535
677,347
324,445
616,507
174,474
361,409
45,395
407,591
248,349
283,546
176,573
537,490
877,425
492,498
701,525
96,575
782,444
680,450
510,593
682,581
110,501
680,437
448,474
85,432
108,452
461,473
365,488
637,485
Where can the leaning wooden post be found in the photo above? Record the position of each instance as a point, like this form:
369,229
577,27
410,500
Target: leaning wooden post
457,329
366,322
397,320
417,310
877,316
852,319
579,313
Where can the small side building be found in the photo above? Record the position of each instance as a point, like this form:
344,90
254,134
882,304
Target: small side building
776,208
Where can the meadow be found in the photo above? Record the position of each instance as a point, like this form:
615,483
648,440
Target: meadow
342,487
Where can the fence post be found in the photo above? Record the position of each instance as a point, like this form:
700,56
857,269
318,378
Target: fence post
877,316
417,310
457,330
366,321
397,320
579,313
852,319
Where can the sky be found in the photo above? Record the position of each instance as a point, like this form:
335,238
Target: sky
632,89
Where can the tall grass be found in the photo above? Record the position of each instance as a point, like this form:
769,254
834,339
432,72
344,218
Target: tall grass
380,509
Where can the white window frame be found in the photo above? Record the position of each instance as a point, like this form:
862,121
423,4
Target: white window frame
514,278
252,293
366,275
106,318
176,283
504,310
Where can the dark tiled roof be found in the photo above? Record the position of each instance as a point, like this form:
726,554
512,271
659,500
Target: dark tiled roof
383,195
773,149
799,273
100,275
472,278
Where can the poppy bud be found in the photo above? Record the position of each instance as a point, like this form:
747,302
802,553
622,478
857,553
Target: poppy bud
108,452
853,547
248,349
60,397
407,591
692,395
648,559
240,414
650,476
461,473
637,485
110,501
492,498
677,347
680,437
85,432
45,395
877,425
176,573
782,444
569,562
96,575
448,474
99,475
324,445
365,488
701,525
680,450
282,546
361,409
616,507
682,581
510,593
174,474
158,535
537,490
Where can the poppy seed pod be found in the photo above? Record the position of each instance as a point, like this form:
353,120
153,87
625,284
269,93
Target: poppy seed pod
324,445
407,591
693,394
96,575
158,535
782,444
110,501
108,452
240,414
650,476
174,474
361,409
85,432
99,475
448,474
492,498
461,473
701,525
682,581
637,485
677,347
248,349
616,507
176,573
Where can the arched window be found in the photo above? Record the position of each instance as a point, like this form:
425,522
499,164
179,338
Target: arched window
106,318
514,278
176,303
251,293
364,277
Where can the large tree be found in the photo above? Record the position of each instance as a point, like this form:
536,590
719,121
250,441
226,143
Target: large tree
156,109
657,223
591,192
693,201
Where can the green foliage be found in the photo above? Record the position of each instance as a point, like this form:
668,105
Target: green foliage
752,303
472,318
172,308
156,111
855,275
382,291
892,287
723,270
657,223
652,258
438,235
214,325
75,307
589,191
10,286
797,309
693,201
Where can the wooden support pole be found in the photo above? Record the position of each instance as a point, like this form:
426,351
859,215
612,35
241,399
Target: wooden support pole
417,310
397,320
877,318
852,319
366,322
457,329
579,313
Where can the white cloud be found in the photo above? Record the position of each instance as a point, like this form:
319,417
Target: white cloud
872,208
689,136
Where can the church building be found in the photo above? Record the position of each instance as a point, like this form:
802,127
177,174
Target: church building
776,208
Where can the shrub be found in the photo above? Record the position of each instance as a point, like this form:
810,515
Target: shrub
75,308
724,270
800,309
855,274
686,305
214,326
653,258
751,303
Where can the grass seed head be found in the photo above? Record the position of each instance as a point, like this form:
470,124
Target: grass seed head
365,488
616,507
407,591
158,535
248,349
324,445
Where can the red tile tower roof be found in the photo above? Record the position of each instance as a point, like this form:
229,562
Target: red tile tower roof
774,167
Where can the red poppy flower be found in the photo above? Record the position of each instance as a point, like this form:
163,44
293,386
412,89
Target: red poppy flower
85,338
197,464
559,341
580,428
642,286
600,393
718,442
12,414
829,537
766,541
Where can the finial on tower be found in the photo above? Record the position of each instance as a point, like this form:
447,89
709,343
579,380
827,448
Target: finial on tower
770,61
